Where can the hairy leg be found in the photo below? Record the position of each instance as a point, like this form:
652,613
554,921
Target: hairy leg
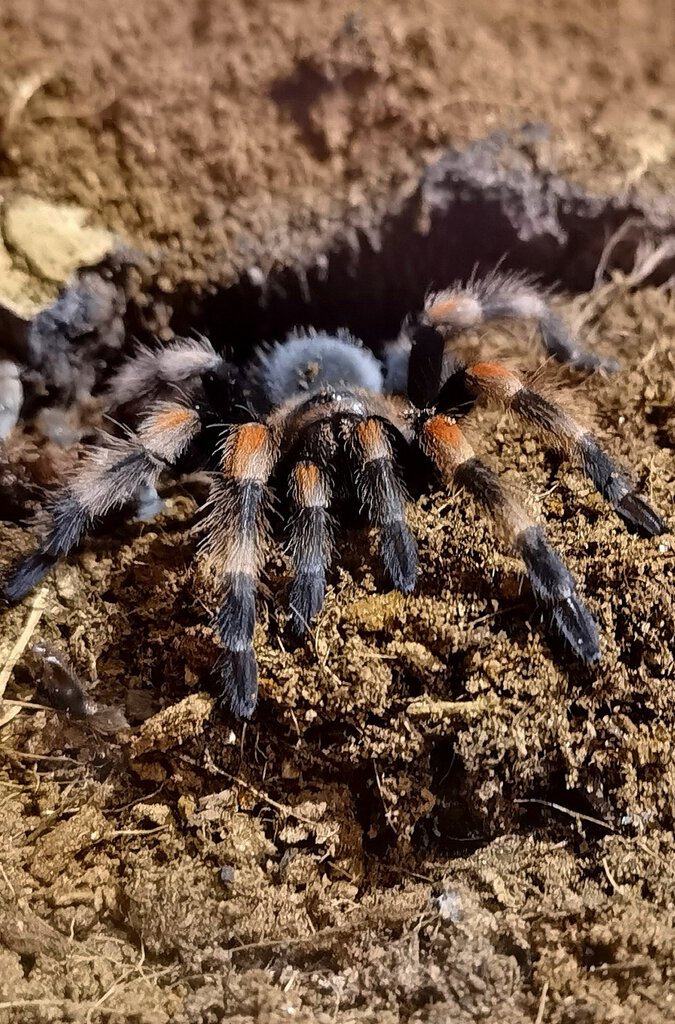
508,297
309,535
383,499
153,373
108,478
551,581
492,383
235,535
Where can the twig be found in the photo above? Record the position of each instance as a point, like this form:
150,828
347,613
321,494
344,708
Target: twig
25,755
610,246
284,808
23,93
426,706
542,1004
7,881
14,1004
572,814
31,705
294,940
387,810
118,983
610,877
34,617
137,832
37,608
648,259
10,714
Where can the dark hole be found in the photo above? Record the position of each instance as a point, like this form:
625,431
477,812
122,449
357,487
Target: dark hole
471,212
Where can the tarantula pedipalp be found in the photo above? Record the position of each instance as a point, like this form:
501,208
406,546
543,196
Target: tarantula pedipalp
318,418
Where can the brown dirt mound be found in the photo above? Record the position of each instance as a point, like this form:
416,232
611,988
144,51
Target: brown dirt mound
332,856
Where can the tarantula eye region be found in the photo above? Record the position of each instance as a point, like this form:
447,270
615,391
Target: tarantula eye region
322,426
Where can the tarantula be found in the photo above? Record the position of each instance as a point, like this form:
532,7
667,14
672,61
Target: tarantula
323,420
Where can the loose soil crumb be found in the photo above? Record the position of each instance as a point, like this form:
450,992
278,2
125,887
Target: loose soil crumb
435,814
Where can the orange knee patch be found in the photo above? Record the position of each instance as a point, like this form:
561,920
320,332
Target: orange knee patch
442,309
247,453
458,311
445,443
491,370
373,440
170,419
442,429
310,485
306,476
494,380
168,431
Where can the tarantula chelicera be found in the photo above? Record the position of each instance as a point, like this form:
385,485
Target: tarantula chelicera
321,419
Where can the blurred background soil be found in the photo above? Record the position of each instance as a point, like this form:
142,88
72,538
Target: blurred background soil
193,125
435,815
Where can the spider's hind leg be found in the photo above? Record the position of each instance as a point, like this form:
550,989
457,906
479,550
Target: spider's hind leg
494,383
159,373
503,296
551,580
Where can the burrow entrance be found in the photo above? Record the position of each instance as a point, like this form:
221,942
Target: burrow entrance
470,212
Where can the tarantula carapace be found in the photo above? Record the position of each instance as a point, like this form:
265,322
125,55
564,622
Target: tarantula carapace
317,419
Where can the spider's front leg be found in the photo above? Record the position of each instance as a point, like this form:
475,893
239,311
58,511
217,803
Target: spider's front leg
110,476
235,531
309,536
383,499
553,584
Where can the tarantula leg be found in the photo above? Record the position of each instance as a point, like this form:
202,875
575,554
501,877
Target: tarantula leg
492,382
235,535
384,502
309,528
551,581
509,297
425,364
152,372
108,478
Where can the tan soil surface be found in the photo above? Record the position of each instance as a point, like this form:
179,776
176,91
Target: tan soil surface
193,126
435,815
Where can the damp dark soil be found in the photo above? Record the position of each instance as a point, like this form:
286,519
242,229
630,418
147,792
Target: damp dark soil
435,814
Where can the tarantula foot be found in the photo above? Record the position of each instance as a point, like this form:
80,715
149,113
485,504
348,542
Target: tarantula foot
588,362
148,503
560,344
239,683
553,584
637,512
399,554
26,575
306,601
578,628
